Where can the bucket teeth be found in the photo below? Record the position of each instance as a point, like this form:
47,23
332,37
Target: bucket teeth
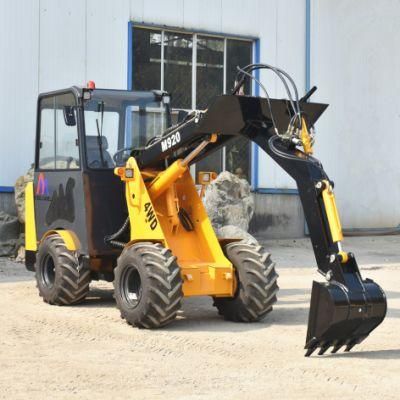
336,347
323,346
310,351
350,345
343,316
311,346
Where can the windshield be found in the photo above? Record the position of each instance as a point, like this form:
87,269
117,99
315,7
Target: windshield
118,121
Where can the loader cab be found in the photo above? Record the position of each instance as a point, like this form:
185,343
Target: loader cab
82,135
116,121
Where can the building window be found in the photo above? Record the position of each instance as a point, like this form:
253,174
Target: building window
193,68
177,66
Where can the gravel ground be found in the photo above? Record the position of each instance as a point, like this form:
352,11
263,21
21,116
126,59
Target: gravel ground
87,351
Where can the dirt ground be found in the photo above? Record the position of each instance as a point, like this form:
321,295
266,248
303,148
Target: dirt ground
87,351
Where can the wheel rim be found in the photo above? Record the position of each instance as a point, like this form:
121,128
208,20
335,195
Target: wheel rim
131,287
48,274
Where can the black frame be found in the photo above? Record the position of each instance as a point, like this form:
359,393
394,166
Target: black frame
343,311
78,94
98,195
346,308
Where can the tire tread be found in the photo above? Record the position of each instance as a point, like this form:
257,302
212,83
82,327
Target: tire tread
162,273
71,284
257,284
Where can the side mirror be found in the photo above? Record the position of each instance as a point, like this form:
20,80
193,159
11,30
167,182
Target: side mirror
69,116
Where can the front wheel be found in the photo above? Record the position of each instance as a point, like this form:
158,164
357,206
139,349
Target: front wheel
148,285
256,283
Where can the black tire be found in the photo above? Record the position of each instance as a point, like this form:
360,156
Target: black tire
256,284
148,285
60,277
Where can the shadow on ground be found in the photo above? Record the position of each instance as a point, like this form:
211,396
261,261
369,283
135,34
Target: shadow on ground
391,354
198,313
98,298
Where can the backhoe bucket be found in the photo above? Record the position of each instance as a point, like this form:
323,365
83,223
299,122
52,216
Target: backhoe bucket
343,316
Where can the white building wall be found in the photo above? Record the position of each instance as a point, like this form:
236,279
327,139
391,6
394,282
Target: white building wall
354,54
49,44
52,44
282,27
107,42
355,64
19,57
62,58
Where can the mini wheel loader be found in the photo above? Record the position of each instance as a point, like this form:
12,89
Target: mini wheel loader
113,198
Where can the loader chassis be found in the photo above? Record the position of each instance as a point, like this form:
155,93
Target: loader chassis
135,215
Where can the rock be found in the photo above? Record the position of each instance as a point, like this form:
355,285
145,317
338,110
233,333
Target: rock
20,256
10,229
9,226
230,206
20,194
14,246
228,201
19,252
233,232
7,248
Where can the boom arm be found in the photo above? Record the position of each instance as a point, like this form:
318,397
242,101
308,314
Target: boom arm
345,309
230,116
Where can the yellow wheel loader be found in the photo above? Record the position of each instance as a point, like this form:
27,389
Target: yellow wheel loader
113,199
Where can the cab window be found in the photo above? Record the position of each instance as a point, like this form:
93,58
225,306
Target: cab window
58,145
102,127
116,122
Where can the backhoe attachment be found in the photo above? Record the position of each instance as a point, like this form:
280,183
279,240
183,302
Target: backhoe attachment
343,314
345,308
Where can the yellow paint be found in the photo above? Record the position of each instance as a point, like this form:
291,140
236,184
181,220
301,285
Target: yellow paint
172,207
204,268
30,225
305,138
70,239
145,225
213,137
122,172
344,257
204,179
166,178
332,213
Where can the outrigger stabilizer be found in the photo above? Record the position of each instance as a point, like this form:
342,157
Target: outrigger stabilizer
345,308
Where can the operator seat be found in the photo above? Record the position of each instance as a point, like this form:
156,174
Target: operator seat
93,152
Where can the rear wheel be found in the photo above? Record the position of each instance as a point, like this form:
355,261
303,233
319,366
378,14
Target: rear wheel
148,285
60,277
256,283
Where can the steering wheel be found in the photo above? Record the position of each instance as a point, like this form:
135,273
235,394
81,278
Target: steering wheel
117,157
95,164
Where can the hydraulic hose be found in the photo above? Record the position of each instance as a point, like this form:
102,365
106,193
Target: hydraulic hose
266,95
279,72
111,239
